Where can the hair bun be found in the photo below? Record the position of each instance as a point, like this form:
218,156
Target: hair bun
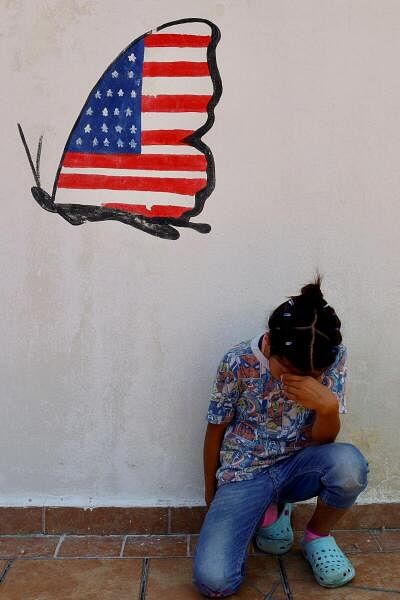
312,292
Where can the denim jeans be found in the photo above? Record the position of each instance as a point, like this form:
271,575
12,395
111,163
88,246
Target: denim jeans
335,472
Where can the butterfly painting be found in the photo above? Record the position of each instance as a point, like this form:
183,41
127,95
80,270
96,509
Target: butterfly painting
135,152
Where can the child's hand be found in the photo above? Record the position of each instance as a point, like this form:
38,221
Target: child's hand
309,392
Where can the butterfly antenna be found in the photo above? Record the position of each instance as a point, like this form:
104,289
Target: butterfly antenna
35,174
39,151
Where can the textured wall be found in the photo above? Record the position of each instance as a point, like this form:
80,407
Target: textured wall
111,337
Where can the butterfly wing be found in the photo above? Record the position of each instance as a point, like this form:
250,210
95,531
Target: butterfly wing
136,146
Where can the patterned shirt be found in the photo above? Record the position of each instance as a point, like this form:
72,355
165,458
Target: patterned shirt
264,426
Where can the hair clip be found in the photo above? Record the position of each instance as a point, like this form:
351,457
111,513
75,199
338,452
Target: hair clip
290,301
287,314
289,343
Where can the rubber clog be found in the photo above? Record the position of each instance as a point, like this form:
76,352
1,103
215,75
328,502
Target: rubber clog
277,538
330,566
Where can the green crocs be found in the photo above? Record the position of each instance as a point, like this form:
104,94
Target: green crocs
330,566
278,537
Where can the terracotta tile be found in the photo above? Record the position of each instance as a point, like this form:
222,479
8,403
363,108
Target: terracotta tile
187,519
377,570
193,543
152,545
91,545
302,589
263,576
19,520
27,546
71,579
301,515
388,540
349,541
360,516
105,520
372,516
171,579
3,567
374,570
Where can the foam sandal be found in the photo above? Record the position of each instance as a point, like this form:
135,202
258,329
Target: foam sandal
277,538
330,566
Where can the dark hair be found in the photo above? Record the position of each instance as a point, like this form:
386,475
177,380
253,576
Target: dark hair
305,330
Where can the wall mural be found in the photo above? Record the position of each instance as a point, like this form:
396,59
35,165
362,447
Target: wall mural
135,152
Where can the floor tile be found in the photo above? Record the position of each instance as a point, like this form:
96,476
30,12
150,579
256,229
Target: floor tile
171,579
360,516
388,540
349,541
104,521
72,579
21,546
187,519
3,565
193,543
18,520
376,570
302,589
91,545
152,545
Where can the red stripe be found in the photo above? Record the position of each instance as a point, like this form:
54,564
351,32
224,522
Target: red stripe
173,185
175,69
176,40
154,211
175,103
160,162
153,137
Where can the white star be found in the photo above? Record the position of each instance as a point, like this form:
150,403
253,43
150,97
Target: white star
104,128
132,58
132,144
97,94
118,128
130,74
128,112
120,92
120,143
133,129
104,112
89,111
106,142
95,141
109,93
114,74
116,111
133,94
79,142
87,129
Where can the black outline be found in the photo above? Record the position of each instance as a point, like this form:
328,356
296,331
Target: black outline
77,214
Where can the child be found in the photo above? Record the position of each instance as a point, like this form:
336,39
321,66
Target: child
273,419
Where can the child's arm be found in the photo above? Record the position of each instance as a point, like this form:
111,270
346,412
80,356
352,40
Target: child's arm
212,445
327,422
310,393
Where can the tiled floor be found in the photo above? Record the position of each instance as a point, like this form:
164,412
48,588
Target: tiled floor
146,567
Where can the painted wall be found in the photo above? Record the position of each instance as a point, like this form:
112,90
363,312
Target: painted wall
111,337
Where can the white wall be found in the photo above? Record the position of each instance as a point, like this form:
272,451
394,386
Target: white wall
111,337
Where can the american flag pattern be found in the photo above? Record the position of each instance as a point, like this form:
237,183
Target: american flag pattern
136,146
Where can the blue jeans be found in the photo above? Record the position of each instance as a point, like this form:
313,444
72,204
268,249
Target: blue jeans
335,472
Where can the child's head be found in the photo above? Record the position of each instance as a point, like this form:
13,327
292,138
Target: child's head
304,332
